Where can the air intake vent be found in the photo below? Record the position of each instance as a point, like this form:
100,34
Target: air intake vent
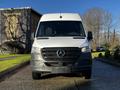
65,54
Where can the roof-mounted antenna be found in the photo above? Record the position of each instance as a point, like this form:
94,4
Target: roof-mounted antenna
60,15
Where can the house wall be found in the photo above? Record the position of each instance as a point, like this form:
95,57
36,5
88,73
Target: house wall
18,25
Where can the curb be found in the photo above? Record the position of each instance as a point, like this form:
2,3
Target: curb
109,62
12,70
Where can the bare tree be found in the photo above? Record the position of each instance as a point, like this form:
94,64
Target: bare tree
93,20
100,22
107,25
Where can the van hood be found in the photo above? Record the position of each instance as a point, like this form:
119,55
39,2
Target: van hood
60,42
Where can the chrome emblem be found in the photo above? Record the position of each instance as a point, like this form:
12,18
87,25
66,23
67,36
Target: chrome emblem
60,53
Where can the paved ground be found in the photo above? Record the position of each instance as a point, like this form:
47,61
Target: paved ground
105,77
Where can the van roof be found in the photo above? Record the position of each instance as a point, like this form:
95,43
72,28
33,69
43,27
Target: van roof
61,17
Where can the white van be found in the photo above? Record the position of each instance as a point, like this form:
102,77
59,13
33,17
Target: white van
61,45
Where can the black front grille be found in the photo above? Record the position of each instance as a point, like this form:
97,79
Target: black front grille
70,54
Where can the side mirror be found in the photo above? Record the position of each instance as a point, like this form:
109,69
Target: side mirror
89,36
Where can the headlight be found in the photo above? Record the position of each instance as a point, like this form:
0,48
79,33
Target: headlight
86,49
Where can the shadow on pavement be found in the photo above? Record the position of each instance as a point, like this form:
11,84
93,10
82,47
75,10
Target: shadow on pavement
84,85
48,76
79,84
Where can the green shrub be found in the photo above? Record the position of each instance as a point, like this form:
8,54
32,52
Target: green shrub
116,54
107,53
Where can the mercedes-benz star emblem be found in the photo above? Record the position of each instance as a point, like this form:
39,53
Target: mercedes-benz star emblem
60,53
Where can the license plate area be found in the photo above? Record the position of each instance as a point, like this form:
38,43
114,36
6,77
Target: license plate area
61,70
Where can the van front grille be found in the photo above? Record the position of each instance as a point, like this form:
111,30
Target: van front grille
65,54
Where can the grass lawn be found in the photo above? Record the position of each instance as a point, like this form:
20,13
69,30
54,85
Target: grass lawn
13,62
96,54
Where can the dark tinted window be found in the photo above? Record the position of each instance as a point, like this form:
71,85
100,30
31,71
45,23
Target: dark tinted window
60,28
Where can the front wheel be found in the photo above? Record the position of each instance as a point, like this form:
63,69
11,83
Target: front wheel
87,74
36,75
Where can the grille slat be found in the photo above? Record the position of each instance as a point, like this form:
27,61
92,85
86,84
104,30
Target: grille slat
71,54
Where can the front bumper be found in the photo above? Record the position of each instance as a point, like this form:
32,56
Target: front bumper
83,64
62,69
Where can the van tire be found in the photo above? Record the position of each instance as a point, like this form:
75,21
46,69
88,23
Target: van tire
36,75
87,74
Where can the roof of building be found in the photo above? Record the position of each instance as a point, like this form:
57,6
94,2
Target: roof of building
20,8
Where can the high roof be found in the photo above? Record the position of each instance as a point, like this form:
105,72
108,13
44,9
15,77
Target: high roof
61,17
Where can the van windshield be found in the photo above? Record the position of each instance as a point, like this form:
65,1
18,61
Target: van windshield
60,28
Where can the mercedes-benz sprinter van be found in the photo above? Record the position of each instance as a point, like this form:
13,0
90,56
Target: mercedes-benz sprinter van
61,45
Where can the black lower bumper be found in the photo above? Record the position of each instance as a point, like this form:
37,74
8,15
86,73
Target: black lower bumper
83,64
70,69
